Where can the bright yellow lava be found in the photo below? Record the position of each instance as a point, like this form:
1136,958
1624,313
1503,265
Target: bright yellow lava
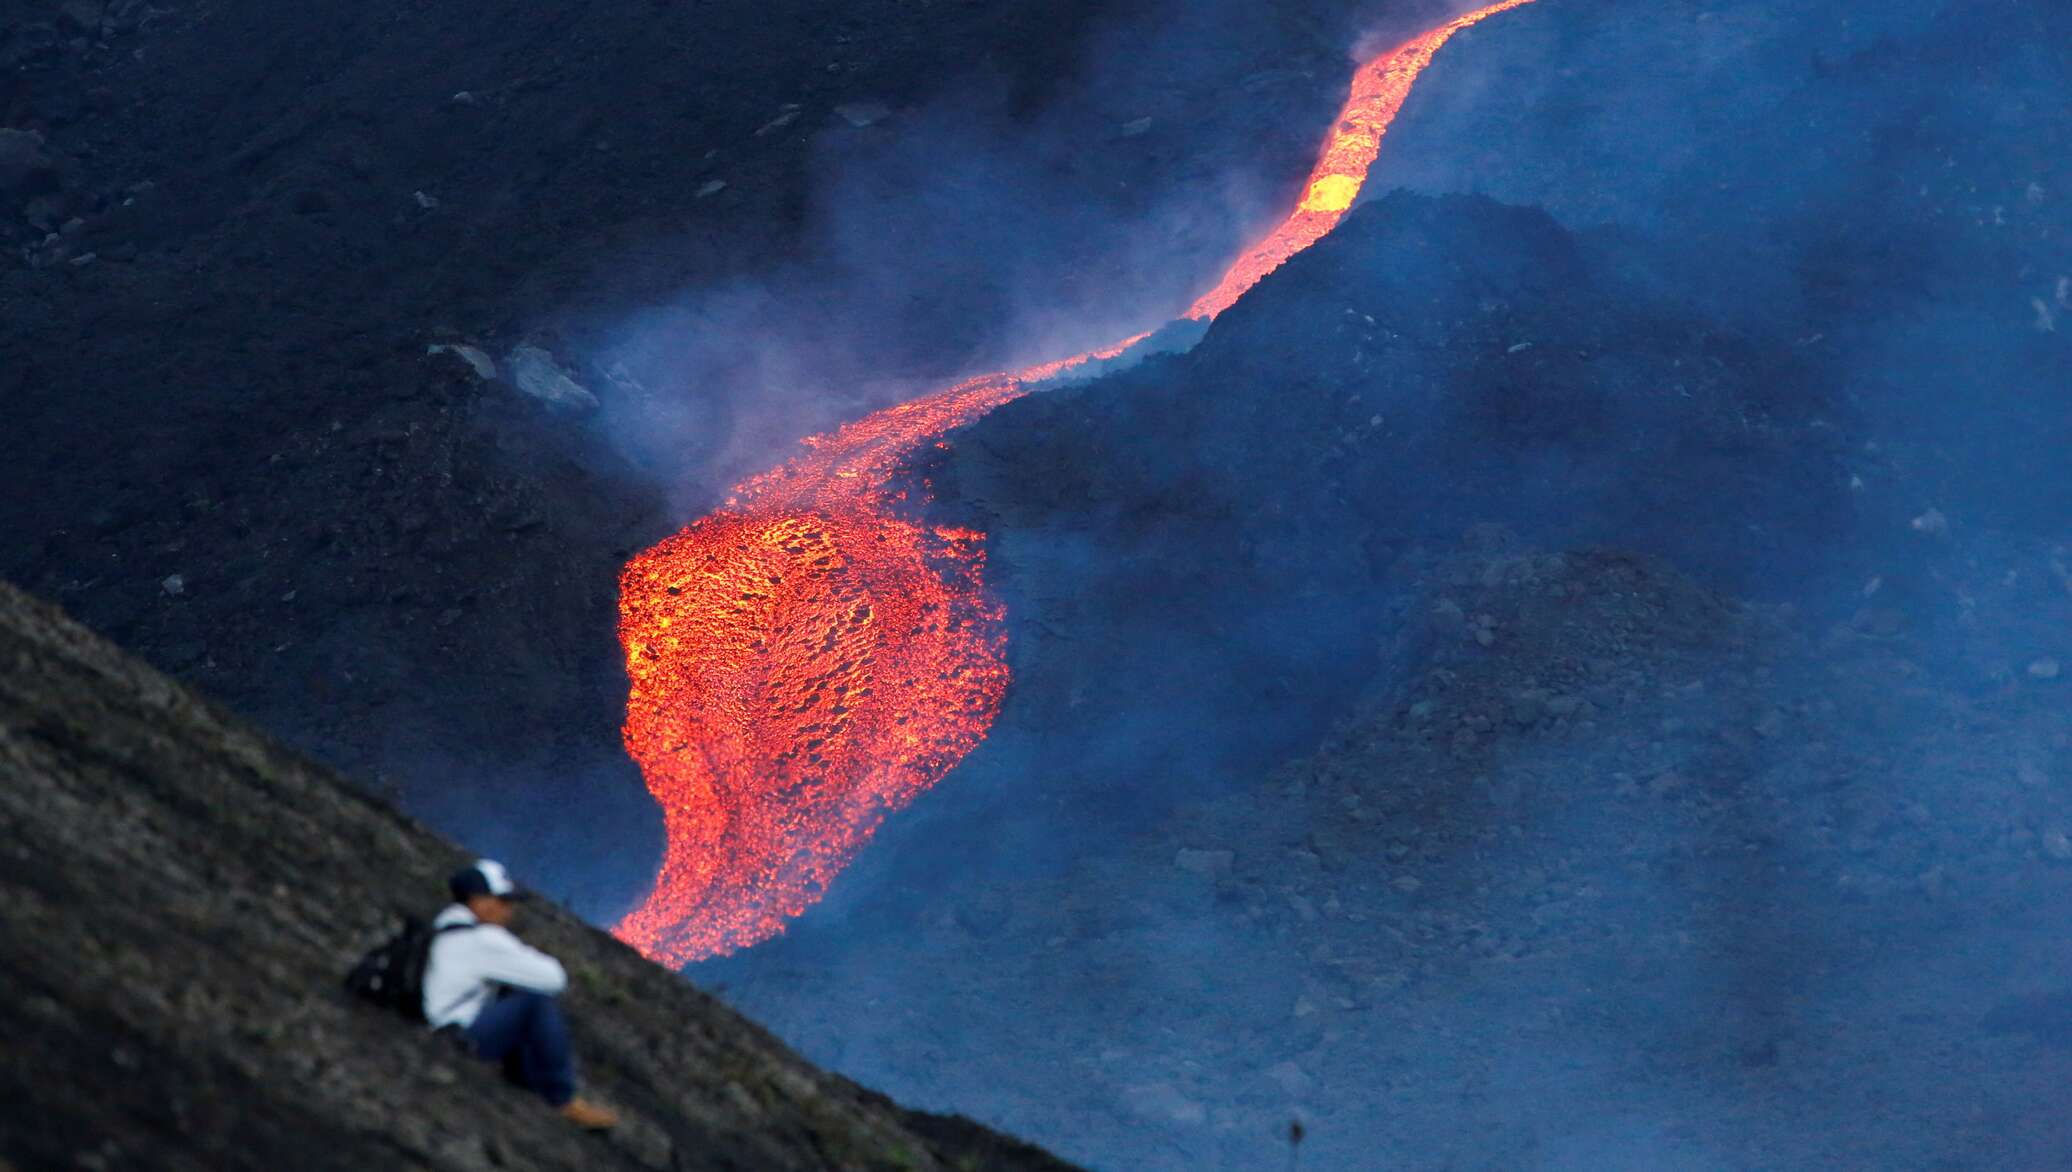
1332,193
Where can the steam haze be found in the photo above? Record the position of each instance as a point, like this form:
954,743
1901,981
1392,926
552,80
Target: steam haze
980,232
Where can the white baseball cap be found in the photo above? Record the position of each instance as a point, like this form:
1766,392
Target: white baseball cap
485,877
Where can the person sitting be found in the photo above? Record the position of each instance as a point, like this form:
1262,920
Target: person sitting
499,993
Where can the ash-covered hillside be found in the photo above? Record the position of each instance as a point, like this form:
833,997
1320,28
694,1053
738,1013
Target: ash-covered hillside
1517,722
182,896
1574,681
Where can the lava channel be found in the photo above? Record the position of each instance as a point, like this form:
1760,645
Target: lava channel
811,657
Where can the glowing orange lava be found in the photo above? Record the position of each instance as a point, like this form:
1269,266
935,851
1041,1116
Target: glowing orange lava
811,657
1378,92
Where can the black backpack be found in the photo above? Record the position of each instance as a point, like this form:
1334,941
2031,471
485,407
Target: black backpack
392,974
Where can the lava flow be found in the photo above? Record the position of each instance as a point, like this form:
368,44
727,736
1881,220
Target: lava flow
811,657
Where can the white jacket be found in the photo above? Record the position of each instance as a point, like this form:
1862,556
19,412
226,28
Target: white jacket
465,968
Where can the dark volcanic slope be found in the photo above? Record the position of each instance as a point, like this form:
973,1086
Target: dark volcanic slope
228,232
181,896
1434,364
216,366
1888,184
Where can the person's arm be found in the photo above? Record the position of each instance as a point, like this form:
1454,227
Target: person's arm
506,960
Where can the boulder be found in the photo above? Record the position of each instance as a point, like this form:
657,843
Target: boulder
481,363
85,15
535,372
862,114
23,164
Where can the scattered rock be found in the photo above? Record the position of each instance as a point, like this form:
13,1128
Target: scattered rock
535,372
23,165
790,114
2056,845
85,15
862,114
1933,882
1204,862
125,15
2044,669
1292,1079
174,585
483,365
427,202
1933,523
45,213
1159,1100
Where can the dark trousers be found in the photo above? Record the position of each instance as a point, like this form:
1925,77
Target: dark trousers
526,1033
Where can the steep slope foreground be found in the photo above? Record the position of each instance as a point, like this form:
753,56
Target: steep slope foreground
181,896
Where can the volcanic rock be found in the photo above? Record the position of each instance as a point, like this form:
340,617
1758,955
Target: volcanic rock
477,359
1292,1080
862,114
23,165
84,15
535,372
781,121
2057,845
1161,1101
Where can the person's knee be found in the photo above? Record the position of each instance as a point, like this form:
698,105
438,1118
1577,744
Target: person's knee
540,1016
532,1006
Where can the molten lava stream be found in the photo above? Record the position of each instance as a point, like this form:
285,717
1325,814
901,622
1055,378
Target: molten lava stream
811,657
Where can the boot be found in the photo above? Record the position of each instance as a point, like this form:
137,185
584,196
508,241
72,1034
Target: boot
588,1115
